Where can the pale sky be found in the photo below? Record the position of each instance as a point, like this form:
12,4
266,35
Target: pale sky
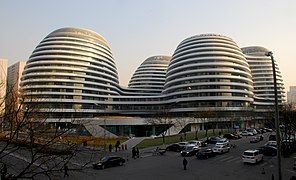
138,29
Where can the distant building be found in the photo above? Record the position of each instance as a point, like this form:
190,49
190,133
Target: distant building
3,78
292,95
14,74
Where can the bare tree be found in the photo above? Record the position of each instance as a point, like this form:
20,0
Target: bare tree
29,145
204,116
162,118
288,128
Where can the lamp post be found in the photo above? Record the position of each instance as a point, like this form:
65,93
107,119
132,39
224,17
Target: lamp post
277,127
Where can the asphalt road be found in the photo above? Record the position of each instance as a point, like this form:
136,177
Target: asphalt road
227,166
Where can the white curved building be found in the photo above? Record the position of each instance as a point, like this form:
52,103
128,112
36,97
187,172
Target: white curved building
151,74
210,72
70,70
72,75
262,75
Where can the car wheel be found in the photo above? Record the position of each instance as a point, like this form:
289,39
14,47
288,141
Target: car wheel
103,166
120,163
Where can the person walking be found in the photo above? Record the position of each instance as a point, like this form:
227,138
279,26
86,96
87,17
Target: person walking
110,147
66,169
134,152
185,162
117,145
137,153
181,138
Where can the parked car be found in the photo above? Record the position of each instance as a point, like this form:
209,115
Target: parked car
183,144
213,140
263,130
220,149
256,139
268,150
205,153
190,150
272,137
271,143
109,161
232,136
252,131
198,143
223,141
247,133
174,147
252,156
268,129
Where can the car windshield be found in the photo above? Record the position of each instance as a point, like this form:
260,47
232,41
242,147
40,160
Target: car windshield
248,154
189,147
104,159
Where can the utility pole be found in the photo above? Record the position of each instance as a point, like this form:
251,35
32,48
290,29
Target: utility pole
277,126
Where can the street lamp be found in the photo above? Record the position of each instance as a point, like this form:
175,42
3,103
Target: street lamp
277,127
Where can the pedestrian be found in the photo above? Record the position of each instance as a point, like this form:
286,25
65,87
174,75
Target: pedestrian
66,169
185,162
117,145
134,152
263,171
125,146
110,147
137,153
181,138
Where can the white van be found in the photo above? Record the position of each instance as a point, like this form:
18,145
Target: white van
252,156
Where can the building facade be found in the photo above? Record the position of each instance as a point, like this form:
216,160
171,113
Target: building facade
262,75
72,75
14,74
3,83
291,95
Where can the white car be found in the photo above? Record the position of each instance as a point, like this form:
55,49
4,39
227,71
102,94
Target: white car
252,156
252,131
271,143
247,133
197,143
223,141
220,148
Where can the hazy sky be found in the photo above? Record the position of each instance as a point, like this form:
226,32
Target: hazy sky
137,29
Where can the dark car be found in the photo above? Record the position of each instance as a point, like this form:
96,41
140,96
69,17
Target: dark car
189,150
232,136
263,130
174,147
268,150
205,154
213,140
268,129
255,139
109,161
272,137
